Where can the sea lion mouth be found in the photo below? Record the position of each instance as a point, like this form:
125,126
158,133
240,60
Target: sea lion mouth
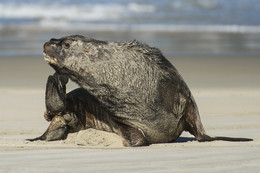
49,59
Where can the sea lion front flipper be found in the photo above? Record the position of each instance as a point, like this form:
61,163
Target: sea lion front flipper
55,95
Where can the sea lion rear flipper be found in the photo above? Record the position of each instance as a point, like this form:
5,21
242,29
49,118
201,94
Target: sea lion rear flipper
194,125
222,138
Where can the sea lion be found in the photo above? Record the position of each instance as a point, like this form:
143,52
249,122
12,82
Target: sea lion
133,90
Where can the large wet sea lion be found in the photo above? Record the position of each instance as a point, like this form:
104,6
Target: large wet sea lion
127,88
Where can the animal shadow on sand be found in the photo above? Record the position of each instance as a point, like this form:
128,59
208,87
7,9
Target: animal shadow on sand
185,139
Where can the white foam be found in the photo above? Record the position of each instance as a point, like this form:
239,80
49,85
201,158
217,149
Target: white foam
112,16
136,7
85,12
152,27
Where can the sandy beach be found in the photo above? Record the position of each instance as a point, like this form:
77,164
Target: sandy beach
227,93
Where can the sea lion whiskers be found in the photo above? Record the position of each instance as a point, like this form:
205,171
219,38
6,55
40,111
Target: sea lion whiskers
49,59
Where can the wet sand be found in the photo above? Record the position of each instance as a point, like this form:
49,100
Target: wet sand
227,91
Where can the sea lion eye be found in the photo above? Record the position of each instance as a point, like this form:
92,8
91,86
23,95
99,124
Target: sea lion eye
66,45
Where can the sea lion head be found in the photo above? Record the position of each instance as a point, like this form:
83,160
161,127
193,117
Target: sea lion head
71,53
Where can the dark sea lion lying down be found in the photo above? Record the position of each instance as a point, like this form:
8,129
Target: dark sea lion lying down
130,89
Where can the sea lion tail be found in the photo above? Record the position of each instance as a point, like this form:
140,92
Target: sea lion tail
207,138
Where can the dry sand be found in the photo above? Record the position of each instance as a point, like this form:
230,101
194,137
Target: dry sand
227,111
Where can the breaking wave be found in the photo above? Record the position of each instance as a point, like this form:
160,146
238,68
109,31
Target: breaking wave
72,12
164,15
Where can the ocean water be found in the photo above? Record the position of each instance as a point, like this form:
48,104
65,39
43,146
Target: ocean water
178,27
125,14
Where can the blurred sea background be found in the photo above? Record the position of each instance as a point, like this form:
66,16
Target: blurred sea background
213,43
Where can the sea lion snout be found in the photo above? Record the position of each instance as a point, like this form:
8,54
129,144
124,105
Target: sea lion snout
51,46
51,51
48,47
